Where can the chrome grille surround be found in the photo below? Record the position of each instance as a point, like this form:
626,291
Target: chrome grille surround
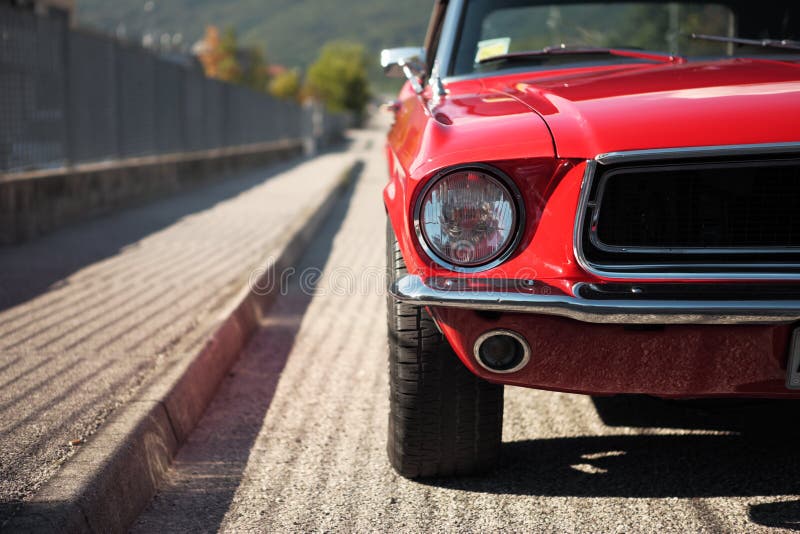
673,270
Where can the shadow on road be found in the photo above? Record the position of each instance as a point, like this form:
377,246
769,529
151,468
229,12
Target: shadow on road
776,514
746,416
219,449
750,449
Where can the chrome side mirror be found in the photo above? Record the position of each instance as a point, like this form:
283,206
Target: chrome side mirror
406,61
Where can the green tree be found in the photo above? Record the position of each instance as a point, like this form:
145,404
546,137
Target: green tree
286,85
339,78
228,68
256,73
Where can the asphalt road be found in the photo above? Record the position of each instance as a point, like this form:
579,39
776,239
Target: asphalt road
295,439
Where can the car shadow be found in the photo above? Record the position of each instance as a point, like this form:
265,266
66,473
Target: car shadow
746,416
784,514
734,449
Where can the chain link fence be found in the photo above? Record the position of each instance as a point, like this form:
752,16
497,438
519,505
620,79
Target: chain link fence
69,96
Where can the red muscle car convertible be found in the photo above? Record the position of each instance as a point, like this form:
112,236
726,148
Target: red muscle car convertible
597,198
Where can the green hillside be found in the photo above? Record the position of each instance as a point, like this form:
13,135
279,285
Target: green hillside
292,31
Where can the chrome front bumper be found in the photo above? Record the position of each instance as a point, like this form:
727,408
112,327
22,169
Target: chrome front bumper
444,292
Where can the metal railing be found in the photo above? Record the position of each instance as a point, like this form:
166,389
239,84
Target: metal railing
69,96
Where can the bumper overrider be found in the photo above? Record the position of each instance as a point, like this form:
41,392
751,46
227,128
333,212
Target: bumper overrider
454,293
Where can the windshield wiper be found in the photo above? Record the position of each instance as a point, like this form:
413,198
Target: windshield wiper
565,50
770,43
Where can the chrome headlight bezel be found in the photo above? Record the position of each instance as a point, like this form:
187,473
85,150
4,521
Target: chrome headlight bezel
503,180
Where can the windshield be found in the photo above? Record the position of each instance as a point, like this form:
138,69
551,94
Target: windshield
494,29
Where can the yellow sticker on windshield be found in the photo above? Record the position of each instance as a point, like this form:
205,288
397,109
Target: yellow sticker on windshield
492,47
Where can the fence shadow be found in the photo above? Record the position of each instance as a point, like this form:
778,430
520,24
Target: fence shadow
32,268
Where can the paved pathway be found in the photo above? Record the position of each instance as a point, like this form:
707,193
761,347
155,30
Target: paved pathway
89,313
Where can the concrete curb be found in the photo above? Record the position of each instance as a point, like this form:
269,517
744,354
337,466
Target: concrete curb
107,484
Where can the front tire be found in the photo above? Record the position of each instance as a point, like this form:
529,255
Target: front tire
443,420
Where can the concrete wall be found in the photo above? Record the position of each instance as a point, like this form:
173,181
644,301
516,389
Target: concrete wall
32,204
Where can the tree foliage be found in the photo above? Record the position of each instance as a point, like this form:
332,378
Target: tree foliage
339,77
286,85
256,72
218,55
209,53
223,59
229,68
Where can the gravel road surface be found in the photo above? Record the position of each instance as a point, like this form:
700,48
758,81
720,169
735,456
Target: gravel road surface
295,439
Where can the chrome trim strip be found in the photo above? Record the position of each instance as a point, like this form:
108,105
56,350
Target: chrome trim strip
660,154
675,271
526,350
412,289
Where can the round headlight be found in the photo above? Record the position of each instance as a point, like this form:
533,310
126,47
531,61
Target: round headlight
468,218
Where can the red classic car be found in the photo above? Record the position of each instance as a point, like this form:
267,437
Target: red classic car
596,198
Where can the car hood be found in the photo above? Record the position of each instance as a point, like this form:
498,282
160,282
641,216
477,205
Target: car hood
589,112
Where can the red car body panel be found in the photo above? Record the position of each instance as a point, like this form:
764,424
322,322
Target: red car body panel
541,128
612,109
681,361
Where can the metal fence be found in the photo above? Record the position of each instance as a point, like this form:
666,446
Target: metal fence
68,96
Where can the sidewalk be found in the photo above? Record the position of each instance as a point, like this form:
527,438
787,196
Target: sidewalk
295,438
89,314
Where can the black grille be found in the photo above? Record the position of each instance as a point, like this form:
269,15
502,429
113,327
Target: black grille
716,212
